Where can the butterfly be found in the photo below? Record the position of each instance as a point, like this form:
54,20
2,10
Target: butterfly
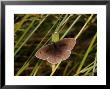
56,52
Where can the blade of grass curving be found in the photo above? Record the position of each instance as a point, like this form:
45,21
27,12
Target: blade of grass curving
25,33
31,34
84,26
86,54
18,26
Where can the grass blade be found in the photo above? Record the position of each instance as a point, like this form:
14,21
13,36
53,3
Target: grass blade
30,35
86,54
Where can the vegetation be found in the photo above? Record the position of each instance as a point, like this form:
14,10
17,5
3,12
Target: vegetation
33,31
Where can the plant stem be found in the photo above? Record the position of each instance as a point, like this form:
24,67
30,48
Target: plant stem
70,27
86,68
53,70
61,23
37,66
53,67
84,26
86,54
65,22
89,69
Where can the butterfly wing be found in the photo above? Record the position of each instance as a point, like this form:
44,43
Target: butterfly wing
56,58
67,43
42,52
56,54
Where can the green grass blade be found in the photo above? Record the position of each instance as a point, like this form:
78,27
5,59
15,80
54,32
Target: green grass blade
85,69
25,33
61,23
35,69
55,69
86,54
30,34
70,27
84,26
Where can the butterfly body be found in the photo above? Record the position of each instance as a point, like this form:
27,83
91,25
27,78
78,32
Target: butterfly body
56,52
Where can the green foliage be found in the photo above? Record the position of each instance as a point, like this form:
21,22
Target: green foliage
33,31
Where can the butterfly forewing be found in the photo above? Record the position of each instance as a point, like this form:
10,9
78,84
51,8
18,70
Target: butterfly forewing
67,43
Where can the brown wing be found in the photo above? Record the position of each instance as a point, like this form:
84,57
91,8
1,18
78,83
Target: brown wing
67,44
42,53
56,58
